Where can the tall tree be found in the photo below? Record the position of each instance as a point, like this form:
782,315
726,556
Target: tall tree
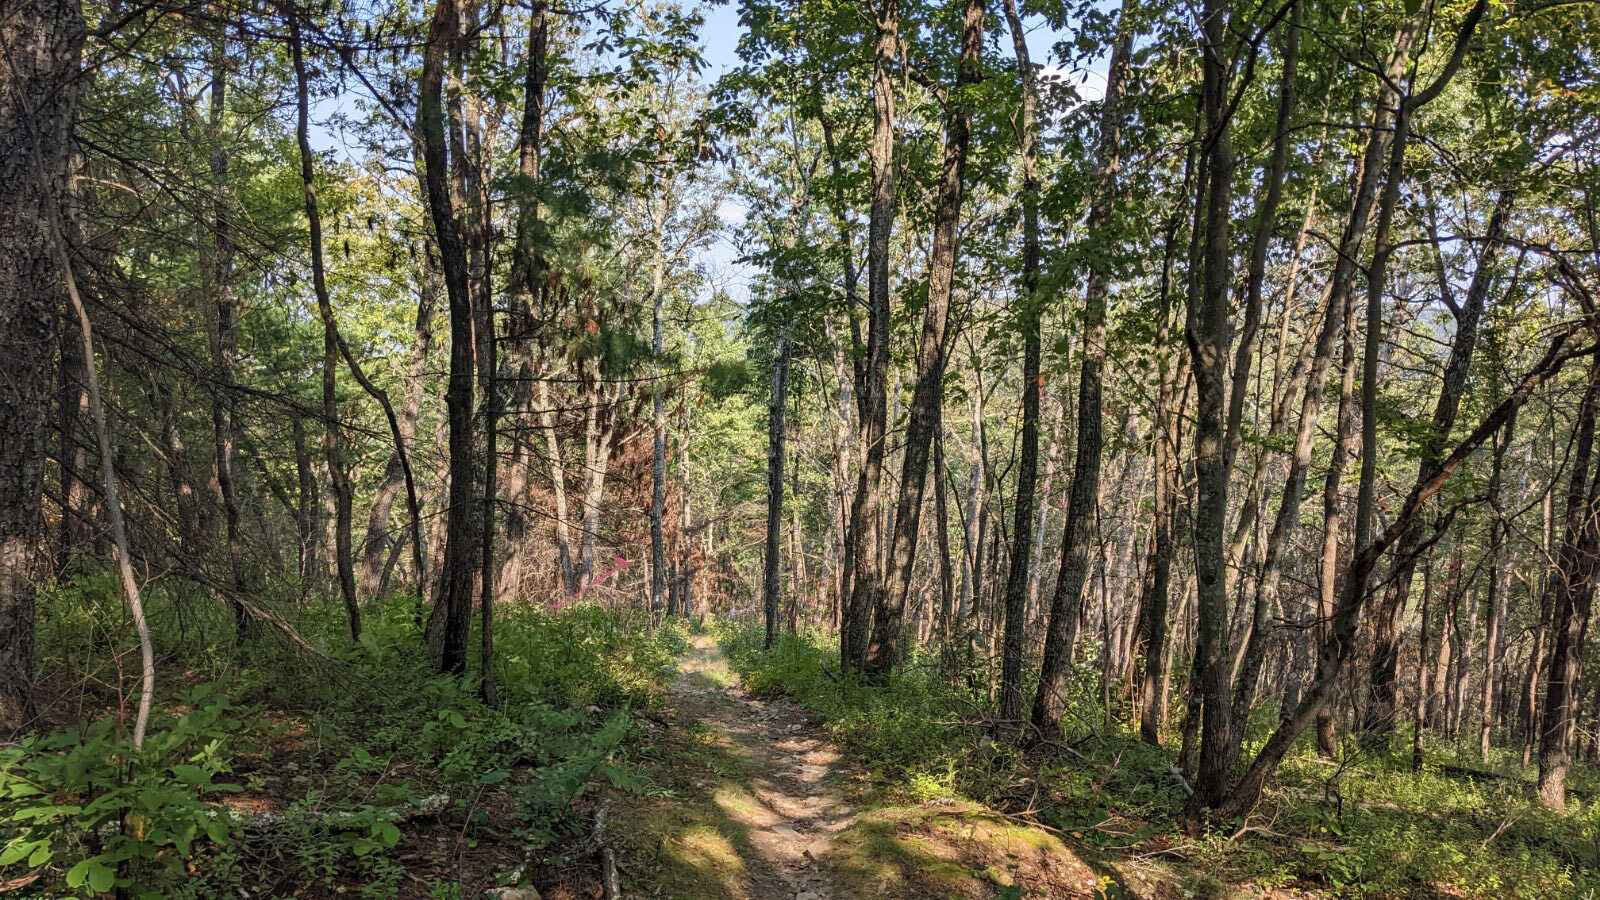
868,577
1061,634
1030,322
928,394
777,427
453,597
41,43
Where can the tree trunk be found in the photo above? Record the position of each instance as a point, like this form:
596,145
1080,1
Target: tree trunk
778,404
1061,634
375,546
1571,594
658,420
453,603
1499,585
1030,320
599,428
866,510
928,394
1207,334
38,105
1333,512
217,277
1165,440
332,440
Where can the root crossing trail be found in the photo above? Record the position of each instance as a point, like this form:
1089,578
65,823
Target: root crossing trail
789,809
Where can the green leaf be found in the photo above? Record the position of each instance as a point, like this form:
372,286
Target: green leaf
91,873
14,851
192,774
78,874
217,831
101,877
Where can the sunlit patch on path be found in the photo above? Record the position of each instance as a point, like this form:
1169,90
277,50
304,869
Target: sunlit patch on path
762,806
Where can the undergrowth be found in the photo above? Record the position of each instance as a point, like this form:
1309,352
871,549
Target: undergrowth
272,766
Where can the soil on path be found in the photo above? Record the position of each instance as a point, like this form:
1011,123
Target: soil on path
787,810
755,804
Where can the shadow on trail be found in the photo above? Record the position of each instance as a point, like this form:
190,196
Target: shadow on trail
760,805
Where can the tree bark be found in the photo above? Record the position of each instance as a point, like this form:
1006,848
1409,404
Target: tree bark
1030,319
1165,439
1207,335
1571,594
42,42
1061,633
778,404
1499,586
453,602
928,393
217,276
866,510
332,440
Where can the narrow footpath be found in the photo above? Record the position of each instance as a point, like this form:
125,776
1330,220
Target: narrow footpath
754,803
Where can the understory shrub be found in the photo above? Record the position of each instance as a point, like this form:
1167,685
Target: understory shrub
364,737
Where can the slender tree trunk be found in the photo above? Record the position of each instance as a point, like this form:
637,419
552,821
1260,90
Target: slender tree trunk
777,406
599,429
1154,589
1061,634
867,583
658,421
217,276
332,440
453,604
928,394
558,486
972,515
1030,320
487,370
1333,513
1571,590
941,488
1207,334
1499,585
526,291
72,401
1288,519
375,547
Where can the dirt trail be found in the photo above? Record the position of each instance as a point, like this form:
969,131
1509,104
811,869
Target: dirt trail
791,808
753,803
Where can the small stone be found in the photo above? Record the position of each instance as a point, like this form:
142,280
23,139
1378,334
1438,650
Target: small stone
513,893
785,832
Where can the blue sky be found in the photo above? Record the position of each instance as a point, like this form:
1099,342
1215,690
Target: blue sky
720,42
722,32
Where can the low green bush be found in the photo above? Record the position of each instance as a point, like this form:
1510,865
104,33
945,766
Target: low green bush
111,816
372,733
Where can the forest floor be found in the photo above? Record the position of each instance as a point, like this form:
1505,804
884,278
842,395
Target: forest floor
757,804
